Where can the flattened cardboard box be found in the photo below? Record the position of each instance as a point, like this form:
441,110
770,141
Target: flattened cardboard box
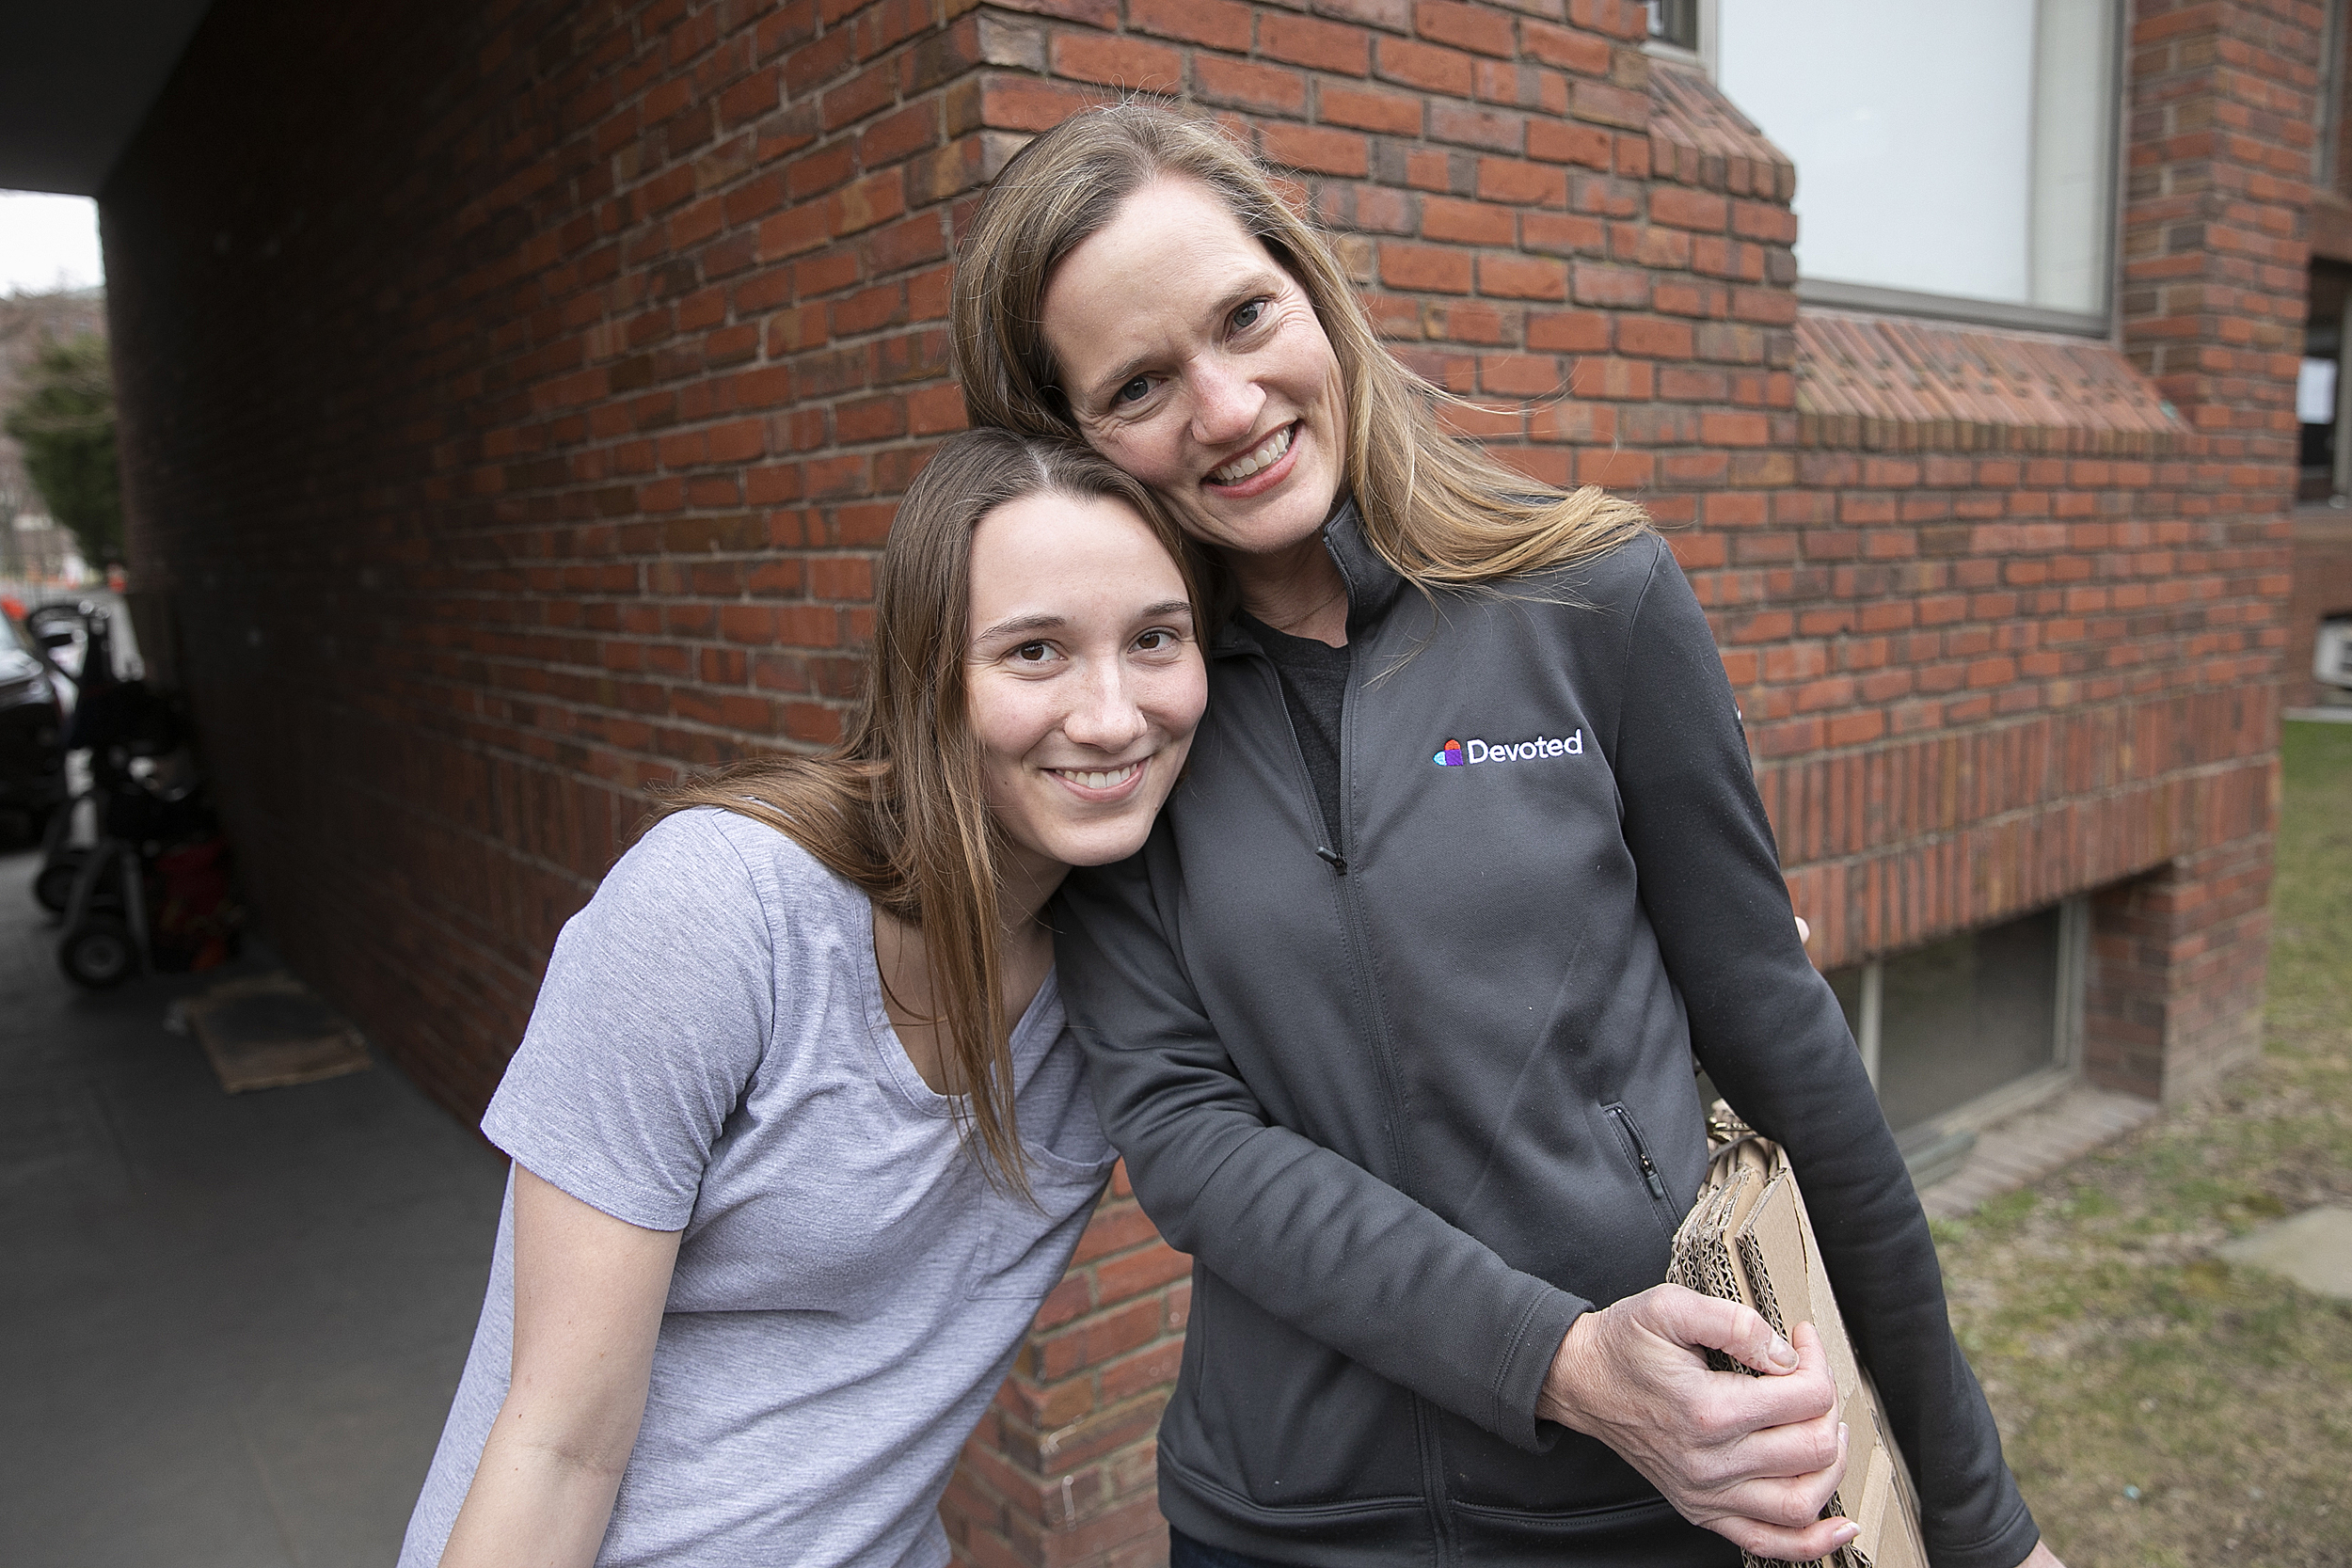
1747,1239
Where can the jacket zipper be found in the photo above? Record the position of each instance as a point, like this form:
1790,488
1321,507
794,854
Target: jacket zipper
1427,1441
1640,1150
1359,933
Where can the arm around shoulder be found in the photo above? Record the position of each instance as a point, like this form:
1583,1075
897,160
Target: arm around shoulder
589,1291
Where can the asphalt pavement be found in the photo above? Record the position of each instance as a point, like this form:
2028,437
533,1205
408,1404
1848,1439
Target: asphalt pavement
229,1326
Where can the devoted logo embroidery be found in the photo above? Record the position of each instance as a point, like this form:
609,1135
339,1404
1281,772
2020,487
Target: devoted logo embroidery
1463,753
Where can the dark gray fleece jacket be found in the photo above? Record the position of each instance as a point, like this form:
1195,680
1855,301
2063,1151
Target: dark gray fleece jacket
1415,1100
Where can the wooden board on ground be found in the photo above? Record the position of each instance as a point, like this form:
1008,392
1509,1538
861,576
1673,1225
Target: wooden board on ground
270,1031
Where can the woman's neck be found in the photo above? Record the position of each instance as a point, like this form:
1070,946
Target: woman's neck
1298,590
1025,950
1024,880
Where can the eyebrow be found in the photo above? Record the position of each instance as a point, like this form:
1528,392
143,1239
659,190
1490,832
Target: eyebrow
1017,623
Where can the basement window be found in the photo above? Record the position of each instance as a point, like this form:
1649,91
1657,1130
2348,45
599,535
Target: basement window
1952,161
1971,1027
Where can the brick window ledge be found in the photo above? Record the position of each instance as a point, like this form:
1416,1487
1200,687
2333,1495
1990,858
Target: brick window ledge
1699,138
1898,384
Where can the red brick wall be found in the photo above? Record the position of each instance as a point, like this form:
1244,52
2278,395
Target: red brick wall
515,396
2173,998
2224,102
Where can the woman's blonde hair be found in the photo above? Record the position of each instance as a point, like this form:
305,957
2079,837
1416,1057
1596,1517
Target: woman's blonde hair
1439,510
899,807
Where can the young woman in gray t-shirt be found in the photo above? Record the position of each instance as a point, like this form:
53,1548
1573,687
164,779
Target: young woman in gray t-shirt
799,1141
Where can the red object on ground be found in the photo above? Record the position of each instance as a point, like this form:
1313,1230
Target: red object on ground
195,915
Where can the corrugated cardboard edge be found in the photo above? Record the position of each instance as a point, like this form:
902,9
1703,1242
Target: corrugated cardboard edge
1906,1494
1749,1239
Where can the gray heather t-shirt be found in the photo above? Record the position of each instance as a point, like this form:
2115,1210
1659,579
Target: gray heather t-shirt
710,1053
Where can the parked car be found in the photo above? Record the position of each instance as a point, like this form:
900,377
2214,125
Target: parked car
32,735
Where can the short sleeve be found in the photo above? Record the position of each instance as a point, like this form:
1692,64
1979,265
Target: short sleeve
657,1008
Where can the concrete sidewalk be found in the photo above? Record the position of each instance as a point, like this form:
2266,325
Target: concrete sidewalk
229,1327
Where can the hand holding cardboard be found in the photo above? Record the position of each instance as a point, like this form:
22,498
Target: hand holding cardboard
1753,1458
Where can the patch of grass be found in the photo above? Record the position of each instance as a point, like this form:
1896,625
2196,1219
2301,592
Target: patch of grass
2159,1407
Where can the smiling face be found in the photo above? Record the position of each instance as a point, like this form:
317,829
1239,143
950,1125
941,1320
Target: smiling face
1083,676
1194,361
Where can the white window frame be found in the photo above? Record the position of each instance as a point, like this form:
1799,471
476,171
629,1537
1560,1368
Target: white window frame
1703,56
1956,307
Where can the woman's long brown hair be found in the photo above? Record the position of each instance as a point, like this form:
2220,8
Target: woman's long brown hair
1440,510
899,807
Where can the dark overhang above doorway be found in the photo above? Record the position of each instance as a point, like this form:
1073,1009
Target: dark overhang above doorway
76,80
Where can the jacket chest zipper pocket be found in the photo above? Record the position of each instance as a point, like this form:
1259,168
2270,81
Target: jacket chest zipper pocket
1638,1152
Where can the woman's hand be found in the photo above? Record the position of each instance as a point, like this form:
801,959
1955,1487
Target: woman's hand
2042,1557
1753,1459
588,1295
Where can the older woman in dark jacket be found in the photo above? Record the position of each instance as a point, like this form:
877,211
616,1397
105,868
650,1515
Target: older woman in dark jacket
1394,1018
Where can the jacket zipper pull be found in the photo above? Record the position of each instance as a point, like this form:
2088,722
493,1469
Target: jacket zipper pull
1338,863
1650,1177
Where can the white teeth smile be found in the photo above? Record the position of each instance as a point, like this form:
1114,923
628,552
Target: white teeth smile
1267,453
1109,779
